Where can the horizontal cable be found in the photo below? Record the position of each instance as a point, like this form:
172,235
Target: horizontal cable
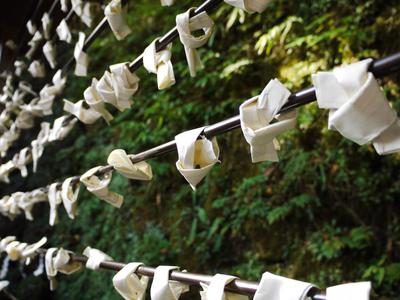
238,286
381,67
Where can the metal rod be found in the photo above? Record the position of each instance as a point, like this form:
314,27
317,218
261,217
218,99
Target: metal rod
238,286
384,66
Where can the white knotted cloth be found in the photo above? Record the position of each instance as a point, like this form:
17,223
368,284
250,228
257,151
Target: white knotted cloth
256,115
186,25
69,197
250,6
81,58
50,53
274,287
357,107
31,27
85,115
167,2
196,156
95,258
118,86
39,142
96,102
61,128
164,289
99,186
123,164
36,69
115,15
46,25
63,32
19,65
59,260
216,289
159,63
55,199
128,284
349,291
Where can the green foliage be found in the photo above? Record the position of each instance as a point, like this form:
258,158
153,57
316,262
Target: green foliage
328,212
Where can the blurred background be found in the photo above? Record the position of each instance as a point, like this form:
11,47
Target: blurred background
328,212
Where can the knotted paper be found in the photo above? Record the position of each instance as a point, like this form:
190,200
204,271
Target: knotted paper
95,258
216,289
115,15
256,115
63,32
164,289
50,53
99,186
159,63
186,26
195,157
274,287
85,115
123,164
250,6
128,284
358,108
69,197
81,57
349,291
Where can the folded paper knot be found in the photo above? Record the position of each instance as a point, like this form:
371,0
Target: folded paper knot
36,69
115,15
63,32
34,44
167,2
21,251
46,25
59,260
250,6
95,258
55,199
21,159
24,120
64,5
164,289
357,107
159,63
256,115
50,54
196,156
84,10
19,67
216,289
59,81
31,27
274,287
123,164
85,115
96,102
186,26
118,86
38,144
353,291
81,57
128,284
99,186
61,128
69,196
5,170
